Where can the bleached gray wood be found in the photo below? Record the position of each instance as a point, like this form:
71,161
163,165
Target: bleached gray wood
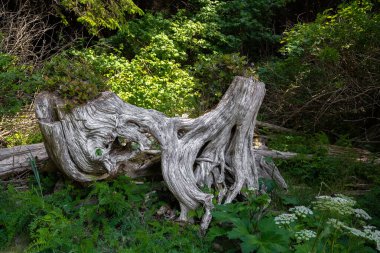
17,160
214,150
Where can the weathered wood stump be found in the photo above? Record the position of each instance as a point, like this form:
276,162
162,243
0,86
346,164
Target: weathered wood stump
107,136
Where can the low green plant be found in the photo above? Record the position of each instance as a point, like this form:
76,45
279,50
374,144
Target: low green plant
326,169
73,78
332,224
315,165
117,216
23,138
303,144
244,224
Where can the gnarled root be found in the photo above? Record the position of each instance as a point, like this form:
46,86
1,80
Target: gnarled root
214,150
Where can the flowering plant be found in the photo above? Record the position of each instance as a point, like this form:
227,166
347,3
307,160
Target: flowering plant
331,224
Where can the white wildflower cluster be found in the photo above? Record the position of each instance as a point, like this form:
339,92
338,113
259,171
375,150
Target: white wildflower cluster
373,235
356,232
336,223
340,204
360,213
305,235
369,232
301,211
285,218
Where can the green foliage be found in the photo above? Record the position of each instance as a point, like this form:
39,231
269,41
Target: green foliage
157,84
73,78
303,144
332,224
175,65
322,167
328,77
247,26
250,23
244,223
215,73
16,212
97,14
190,35
23,138
371,203
117,216
18,84
147,81
325,168
173,61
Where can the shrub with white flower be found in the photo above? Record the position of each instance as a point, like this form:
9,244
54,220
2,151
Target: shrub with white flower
305,235
373,235
356,232
337,224
285,218
335,217
361,214
340,204
301,211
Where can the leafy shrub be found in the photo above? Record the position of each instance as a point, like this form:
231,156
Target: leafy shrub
172,61
328,78
215,73
245,223
117,216
247,26
148,81
101,14
18,84
73,78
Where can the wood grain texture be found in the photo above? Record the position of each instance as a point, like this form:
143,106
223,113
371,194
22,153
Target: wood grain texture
107,136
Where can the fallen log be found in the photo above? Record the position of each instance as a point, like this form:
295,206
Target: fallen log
17,159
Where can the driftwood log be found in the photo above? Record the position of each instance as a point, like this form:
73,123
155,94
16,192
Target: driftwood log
107,136
17,160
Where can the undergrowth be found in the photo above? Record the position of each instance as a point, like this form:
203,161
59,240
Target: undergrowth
117,216
122,216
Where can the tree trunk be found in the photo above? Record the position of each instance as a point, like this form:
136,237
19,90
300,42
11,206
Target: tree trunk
107,136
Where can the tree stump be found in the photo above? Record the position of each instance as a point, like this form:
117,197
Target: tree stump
107,136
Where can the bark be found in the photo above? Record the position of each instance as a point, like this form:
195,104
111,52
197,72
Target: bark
107,136
17,160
